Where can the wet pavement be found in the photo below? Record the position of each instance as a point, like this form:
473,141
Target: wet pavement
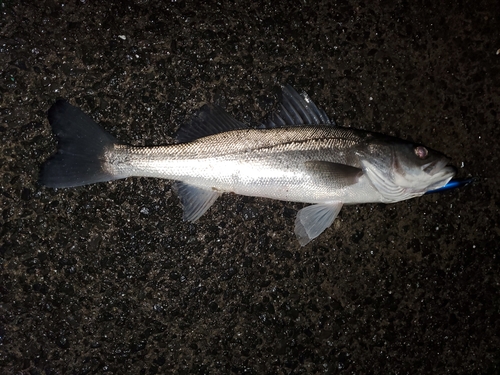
108,278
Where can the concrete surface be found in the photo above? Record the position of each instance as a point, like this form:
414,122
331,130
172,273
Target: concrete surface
108,279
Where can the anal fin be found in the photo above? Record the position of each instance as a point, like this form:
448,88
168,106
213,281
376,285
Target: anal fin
195,200
312,220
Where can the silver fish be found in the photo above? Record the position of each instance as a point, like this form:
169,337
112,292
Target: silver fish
297,155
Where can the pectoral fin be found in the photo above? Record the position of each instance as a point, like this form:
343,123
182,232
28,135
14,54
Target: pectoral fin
311,221
195,201
335,174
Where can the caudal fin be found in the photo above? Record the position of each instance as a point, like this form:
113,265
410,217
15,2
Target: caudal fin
80,159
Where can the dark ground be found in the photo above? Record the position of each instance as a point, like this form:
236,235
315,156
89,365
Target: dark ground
107,278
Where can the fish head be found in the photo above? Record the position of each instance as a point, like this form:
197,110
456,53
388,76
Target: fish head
402,170
420,168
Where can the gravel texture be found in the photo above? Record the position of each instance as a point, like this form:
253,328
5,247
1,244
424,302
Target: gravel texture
108,279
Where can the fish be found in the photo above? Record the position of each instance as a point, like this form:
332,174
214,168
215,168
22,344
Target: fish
297,154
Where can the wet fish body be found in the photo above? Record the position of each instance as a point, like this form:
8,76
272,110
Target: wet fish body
298,155
292,164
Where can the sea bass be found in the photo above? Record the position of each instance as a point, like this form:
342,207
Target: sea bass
298,154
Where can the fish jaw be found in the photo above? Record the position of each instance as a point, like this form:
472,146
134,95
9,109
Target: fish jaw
418,181
440,178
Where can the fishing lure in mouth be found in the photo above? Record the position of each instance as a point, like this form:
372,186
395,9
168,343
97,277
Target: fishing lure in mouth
452,184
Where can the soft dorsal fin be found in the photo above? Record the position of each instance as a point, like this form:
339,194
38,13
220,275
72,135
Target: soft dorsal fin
296,109
209,120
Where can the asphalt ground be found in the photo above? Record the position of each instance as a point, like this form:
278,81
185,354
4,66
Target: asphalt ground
108,278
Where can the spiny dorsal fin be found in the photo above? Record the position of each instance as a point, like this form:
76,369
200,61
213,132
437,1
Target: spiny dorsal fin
296,109
209,120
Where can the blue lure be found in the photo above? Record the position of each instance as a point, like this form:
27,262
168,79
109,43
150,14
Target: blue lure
452,184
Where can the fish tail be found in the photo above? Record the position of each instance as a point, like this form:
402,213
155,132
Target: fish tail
81,156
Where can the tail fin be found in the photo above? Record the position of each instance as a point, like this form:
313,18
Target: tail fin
80,159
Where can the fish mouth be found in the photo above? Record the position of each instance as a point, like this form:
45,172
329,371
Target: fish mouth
436,166
440,171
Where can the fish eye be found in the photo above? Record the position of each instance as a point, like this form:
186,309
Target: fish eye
421,152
